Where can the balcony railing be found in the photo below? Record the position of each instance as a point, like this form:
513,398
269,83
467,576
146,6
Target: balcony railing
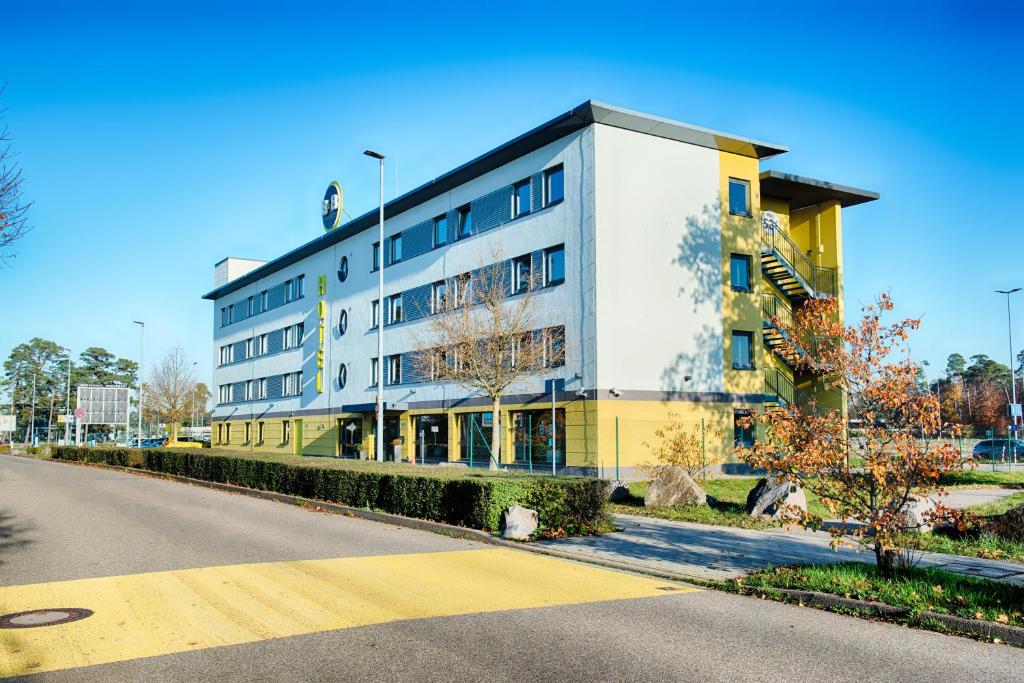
796,270
778,385
773,308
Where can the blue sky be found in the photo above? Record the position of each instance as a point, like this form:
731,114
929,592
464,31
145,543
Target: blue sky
156,141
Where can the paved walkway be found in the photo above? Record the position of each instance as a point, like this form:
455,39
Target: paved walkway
714,552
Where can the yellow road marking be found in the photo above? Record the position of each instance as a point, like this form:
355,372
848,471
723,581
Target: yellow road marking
145,615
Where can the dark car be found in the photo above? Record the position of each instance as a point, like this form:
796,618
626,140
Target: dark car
153,443
998,449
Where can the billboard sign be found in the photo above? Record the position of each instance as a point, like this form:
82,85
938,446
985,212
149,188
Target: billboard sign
332,206
102,404
6,423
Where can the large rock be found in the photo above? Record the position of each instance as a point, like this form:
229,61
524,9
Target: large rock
776,499
1009,525
673,486
918,513
618,491
519,523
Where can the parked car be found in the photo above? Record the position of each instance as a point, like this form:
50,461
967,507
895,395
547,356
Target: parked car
998,449
150,443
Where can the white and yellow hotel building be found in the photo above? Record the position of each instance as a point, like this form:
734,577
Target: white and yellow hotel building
660,250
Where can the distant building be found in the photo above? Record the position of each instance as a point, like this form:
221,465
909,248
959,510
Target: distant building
662,251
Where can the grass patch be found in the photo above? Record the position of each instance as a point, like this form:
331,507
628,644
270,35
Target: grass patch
981,544
919,590
976,476
729,507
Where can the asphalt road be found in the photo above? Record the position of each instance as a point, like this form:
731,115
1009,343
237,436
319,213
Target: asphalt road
192,584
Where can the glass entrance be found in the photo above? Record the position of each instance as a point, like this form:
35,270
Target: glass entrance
350,437
431,434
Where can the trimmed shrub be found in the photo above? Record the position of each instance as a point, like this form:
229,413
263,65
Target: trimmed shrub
566,505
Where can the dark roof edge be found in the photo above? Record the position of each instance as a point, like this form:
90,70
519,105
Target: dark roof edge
565,124
845,194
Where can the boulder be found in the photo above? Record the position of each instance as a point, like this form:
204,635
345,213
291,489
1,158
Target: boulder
673,486
519,523
1009,525
917,513
618,491
776,499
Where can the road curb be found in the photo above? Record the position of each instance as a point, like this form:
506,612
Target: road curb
950,623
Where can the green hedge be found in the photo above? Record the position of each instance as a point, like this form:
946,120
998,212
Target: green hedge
566,505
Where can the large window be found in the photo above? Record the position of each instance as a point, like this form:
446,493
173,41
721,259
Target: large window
554,185
437,296
521,274
293,336
394,253
465,221
739,197
739,272
292,383
440,230
248,392
521,198
225,316
554,347
375,313
261,391
394,369
743,350
224,395
249,347
376,256
394,309
261,345
742,428
373,371
227,354
554,265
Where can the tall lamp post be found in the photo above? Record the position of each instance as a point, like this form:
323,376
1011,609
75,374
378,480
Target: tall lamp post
142,331
379,443
1013,383
194,387
67,407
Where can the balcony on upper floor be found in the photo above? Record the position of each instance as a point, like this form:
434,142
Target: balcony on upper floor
790,268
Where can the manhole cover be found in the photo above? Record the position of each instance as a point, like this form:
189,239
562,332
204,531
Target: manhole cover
43,617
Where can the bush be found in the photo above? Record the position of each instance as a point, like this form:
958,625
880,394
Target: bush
566,505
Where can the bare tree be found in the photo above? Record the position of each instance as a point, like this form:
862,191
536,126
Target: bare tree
13,209
481,335
170,389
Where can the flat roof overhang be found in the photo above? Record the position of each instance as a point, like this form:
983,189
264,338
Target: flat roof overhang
800,191
565,124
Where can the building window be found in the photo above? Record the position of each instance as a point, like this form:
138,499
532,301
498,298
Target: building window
440,230
342,376
227,354
554,185
286,431
342,323
394,309
264,300
521,198
261,345
289,291
343,269
463,289
521,274
292,383
739,272
742,430
373,372
226,433
375,313
465,221
394,254
394,369
248,392
437,296
743,350
225,316
300,286
249,348
376,256
739,197
293,336
260,431
554,347
224,395
554,266
251,306
248,432
261,390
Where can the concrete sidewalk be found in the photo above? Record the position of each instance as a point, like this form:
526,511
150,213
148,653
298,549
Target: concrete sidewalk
714,552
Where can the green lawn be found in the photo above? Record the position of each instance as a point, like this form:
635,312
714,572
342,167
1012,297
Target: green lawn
918,589
729,507
981,476
975,543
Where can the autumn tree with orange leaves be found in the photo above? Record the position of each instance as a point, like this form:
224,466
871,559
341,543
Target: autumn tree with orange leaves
866,481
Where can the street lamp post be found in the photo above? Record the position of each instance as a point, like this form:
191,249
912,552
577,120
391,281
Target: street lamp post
1013,383
142,330
379,443
194,387
67,406
32,420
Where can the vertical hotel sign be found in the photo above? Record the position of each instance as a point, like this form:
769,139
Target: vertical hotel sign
330,210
